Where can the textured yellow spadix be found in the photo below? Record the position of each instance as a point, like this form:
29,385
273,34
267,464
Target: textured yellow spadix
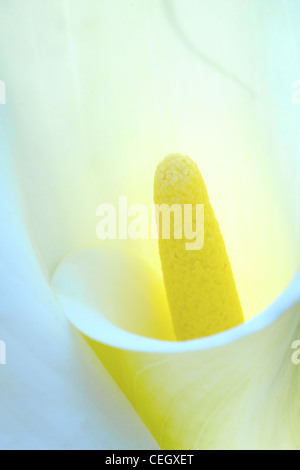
200,286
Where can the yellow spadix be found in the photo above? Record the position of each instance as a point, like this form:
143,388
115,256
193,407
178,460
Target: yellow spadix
199,281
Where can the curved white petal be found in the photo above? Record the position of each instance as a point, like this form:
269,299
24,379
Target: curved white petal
53,395
235,390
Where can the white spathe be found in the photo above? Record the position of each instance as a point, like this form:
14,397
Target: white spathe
53,394
100,92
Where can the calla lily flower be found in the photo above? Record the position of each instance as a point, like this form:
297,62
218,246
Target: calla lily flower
98,93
